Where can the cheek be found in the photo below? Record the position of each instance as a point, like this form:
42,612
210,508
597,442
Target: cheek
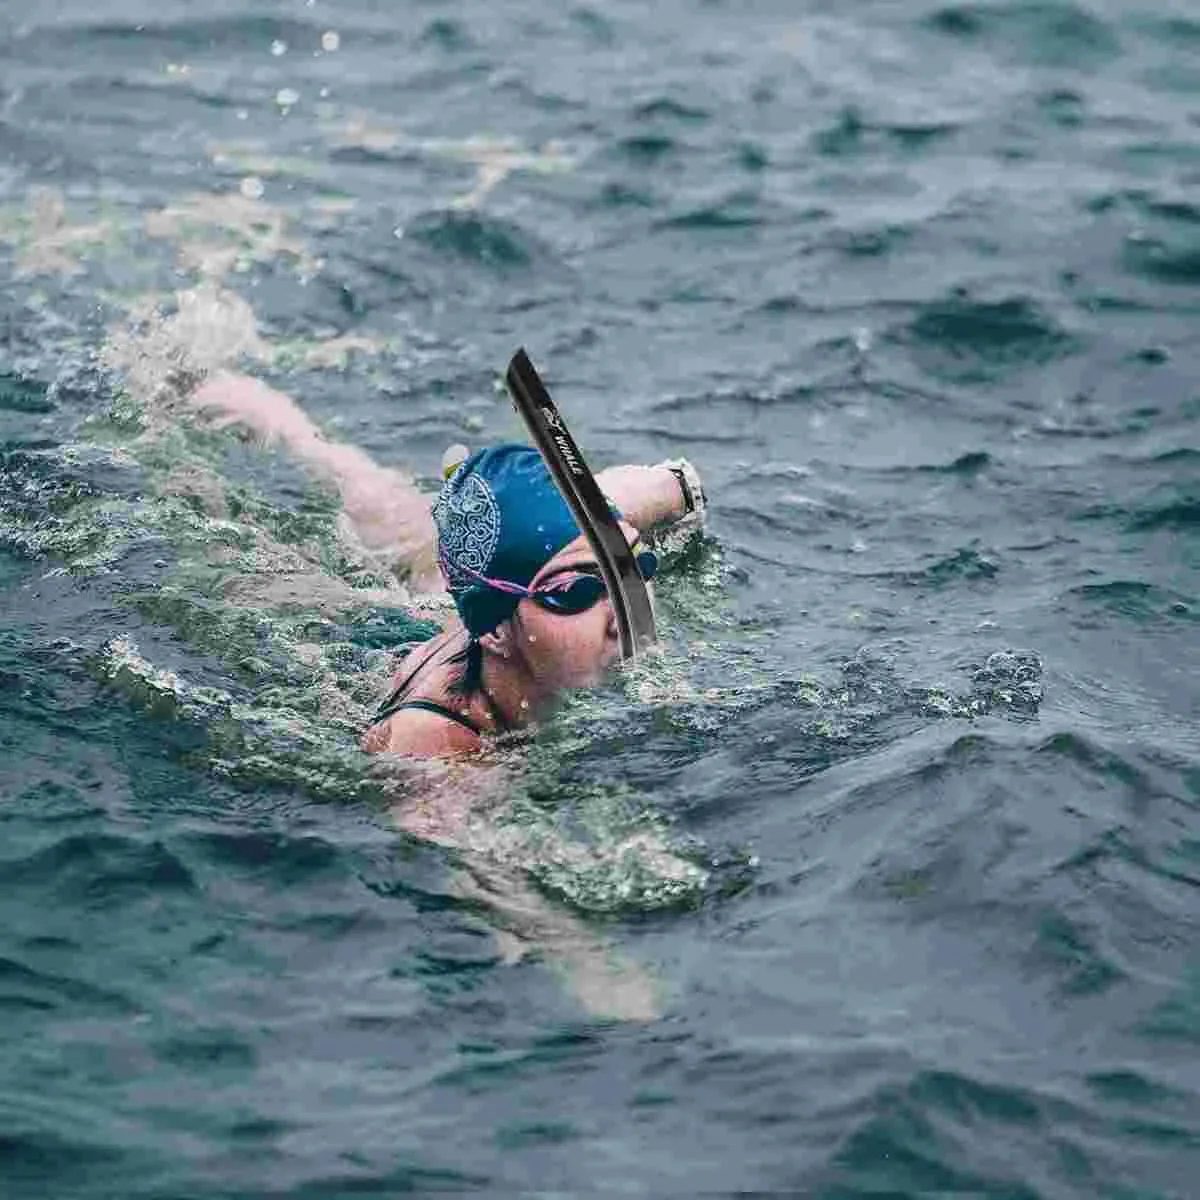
569,650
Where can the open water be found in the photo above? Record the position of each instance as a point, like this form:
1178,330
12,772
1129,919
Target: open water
883,880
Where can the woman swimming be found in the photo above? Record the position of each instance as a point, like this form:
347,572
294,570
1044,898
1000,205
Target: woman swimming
531,620
533,615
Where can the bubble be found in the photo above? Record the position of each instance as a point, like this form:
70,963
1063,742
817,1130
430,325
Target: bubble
278,48
330,41
251,187
286,97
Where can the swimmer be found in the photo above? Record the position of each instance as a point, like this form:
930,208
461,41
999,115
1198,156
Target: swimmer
533,615
531,620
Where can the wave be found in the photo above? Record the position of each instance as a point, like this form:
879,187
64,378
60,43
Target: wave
25,987
851,134
667,108
970,340
1133,598
485,241
1041,32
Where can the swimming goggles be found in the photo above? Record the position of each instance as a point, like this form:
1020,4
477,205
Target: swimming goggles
569,594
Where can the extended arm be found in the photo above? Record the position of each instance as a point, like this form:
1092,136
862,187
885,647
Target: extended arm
387,511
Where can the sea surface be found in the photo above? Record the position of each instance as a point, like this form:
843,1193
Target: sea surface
883,878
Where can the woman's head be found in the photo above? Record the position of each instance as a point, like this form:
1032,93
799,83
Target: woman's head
498,516
504,531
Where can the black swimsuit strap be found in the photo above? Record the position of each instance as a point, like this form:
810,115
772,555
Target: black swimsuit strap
441,711
395,702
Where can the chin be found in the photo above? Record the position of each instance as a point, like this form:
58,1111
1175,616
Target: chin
610,659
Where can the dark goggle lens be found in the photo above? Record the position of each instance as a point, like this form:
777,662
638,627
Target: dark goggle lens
585,590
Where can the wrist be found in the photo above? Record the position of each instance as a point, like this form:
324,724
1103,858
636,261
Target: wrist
691,501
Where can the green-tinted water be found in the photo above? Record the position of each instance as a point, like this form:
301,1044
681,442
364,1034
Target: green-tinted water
880,879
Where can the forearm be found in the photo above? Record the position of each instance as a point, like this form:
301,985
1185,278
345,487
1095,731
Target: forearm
649,497
386,510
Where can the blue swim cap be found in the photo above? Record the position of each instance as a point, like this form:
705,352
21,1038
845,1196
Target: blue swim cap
500,514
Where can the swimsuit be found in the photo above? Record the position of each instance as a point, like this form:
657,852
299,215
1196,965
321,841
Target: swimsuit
428,706
395,703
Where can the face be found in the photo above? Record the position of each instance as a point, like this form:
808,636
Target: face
568,651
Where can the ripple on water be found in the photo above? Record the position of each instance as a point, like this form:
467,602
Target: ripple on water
851,134
25,987
1179,510
670,110
646,149
968,340
1133,599
195,33
446,34
289,859
23,395
1039,32
910,1139
214,1052
489,242
966,564
1175,30
737,210
95,870
48,1160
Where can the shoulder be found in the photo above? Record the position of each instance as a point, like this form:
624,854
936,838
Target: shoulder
421,734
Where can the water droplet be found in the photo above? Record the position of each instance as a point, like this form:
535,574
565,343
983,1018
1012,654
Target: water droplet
547,546
541,529
278,48
398,232
243,114
533,637
323,93
524,703
251,187
330,41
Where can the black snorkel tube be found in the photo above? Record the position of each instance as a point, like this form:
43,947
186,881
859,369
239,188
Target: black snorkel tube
626,588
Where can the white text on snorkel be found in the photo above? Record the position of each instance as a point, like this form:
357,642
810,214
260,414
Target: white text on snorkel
554,422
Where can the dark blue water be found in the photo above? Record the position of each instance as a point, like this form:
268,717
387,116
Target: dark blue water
883,880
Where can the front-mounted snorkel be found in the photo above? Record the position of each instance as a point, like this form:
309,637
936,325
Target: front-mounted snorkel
626,588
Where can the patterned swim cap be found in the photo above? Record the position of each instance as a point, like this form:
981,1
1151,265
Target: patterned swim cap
499,514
